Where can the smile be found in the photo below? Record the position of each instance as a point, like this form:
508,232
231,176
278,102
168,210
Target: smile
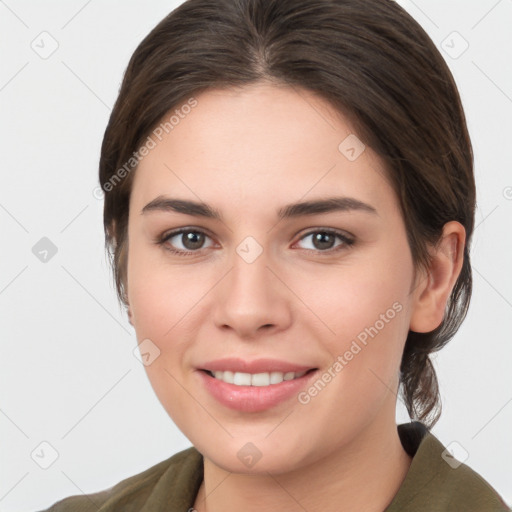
255,379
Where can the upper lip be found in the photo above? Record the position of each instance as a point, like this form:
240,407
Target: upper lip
256,366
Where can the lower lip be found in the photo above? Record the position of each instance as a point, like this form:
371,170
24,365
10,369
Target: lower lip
253,398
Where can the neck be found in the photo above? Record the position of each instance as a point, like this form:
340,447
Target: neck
363,476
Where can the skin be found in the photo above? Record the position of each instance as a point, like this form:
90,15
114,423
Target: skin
248,152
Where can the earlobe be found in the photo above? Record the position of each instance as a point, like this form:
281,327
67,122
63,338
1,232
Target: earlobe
130,316
435,286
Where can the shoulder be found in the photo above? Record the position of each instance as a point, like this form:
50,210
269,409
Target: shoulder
459,485
176,478
436,481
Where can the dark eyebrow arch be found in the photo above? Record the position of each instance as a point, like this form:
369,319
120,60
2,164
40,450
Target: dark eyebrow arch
199,209
330,204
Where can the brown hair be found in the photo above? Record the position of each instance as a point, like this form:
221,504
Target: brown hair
372,62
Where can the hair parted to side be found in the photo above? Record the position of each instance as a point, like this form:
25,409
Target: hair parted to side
374,63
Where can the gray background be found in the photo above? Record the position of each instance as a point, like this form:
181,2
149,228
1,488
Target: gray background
68,375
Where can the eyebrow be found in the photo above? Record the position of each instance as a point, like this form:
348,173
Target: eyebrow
314,207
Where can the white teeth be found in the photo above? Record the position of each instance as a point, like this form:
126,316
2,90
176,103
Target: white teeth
260,379
276,377
256,379
228,377
242,379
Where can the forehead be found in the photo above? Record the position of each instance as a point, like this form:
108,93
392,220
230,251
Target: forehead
261,143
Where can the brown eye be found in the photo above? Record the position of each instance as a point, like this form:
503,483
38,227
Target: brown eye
185,241
324,240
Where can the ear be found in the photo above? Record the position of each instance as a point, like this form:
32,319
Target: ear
433,288
130,316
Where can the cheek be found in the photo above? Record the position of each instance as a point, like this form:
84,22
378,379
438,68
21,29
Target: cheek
162,305
160,295
365,320
357,301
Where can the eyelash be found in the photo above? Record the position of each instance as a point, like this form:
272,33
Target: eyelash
347,241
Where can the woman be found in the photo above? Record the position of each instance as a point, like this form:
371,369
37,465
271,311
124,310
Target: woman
289,204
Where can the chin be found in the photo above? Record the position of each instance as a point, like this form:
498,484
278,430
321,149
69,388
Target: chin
256,457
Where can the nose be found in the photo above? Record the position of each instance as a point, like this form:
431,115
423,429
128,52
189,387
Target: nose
252,299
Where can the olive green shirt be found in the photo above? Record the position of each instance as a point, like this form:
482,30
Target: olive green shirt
435,482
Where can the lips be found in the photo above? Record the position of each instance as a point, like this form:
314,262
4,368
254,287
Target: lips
253,386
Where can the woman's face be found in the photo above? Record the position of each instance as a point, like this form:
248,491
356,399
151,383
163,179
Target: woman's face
267,288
